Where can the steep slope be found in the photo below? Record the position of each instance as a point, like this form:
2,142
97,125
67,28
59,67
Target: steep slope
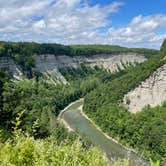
151,92
110,61
49,57
7,64
50,63
144,131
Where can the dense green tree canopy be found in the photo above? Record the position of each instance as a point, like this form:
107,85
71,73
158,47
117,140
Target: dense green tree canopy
145,131
23,52
40,101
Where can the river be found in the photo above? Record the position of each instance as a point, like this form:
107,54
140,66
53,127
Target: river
75,120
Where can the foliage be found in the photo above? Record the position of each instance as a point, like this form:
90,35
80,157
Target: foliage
25,150
155,164
145,131
82,71
23,52
42,101
3,79
109,49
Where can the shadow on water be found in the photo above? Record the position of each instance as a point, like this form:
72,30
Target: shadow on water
85,128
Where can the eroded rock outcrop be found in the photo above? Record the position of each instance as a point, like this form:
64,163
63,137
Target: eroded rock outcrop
8,65
50,62
151,92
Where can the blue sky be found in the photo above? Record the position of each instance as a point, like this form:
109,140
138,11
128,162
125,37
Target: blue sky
131,23
133,8
138,7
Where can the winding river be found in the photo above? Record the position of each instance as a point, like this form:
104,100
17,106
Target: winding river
73,117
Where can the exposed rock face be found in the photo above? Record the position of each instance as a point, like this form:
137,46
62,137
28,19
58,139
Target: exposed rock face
8,65
151,92
54,76
50,62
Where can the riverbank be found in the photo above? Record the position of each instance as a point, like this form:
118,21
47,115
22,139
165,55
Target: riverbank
93,123
106,135
75,119
60,117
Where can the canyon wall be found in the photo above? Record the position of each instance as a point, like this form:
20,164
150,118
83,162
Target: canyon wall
50,62
150,92
8,65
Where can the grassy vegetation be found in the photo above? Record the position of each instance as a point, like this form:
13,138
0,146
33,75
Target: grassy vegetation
23,149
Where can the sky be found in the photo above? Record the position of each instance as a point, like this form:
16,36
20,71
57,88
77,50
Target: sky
130,23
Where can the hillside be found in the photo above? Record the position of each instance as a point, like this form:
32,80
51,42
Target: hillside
58,75
144,131
25,150
31,107
52,64
28,58
151,91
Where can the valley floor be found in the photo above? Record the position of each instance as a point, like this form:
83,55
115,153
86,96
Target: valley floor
75,119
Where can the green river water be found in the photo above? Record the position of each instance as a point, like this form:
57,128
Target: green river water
73,117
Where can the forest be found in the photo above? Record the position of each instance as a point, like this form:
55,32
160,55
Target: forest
29,108
23,52
144,131
42,101
29,128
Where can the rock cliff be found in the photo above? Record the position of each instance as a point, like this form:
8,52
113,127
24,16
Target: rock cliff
8,65
50,62
151,92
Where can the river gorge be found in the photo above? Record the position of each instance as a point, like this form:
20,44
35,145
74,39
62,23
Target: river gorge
76,120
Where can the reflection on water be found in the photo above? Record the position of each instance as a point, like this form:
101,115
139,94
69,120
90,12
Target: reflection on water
86,129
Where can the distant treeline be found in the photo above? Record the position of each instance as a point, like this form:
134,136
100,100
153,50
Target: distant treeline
22,52
109,49
24,48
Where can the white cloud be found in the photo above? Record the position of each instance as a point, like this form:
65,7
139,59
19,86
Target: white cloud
75,22
11,11
141,31
39,25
